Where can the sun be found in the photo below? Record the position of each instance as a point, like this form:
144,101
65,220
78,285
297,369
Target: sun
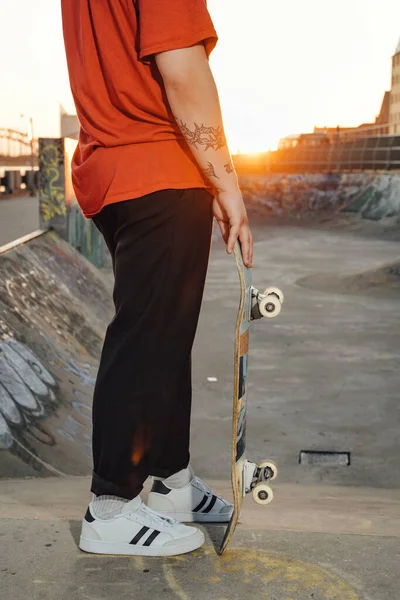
253,147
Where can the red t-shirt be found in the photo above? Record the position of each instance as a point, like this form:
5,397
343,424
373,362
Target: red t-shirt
129,143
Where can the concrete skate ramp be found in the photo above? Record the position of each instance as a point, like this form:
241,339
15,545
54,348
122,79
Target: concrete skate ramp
371,196
379,200
54,306
383,281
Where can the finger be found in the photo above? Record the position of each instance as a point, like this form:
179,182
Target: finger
246,243
251,248
233,236
224,228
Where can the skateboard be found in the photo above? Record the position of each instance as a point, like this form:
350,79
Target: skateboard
247,477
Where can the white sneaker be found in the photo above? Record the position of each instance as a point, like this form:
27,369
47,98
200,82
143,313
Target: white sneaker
137,530
193,502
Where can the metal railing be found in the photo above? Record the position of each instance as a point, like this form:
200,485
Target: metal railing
343,134
366,152
16,143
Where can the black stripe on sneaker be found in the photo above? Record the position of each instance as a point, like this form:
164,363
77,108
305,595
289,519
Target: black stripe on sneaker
209,507
160,488
202,503
89,517
139,535
151,538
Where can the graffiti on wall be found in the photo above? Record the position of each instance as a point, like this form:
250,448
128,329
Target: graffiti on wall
51,179
73,429
29,395
59,208
283,194
27,392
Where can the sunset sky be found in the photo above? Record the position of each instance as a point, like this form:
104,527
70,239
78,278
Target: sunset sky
281,67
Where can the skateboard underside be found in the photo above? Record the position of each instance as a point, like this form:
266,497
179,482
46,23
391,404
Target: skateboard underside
239,393
247,476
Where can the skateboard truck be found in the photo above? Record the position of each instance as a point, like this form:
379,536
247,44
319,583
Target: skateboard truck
268,304
255,480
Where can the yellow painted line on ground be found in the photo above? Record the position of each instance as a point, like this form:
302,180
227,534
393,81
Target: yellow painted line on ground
173,582
293,578
253,570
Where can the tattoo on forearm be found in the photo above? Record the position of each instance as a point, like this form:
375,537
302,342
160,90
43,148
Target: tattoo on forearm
229,168
210,171
201,136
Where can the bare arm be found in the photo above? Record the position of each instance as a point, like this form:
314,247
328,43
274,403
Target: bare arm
193,97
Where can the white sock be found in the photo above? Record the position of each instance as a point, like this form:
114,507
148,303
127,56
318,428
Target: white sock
106,507
178,480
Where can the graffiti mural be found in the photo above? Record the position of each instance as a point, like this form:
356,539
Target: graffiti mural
29,394
51,180
27,390
54,308
59,208
283,194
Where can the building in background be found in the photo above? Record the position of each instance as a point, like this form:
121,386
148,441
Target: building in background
387,121
69,124
379,127
394,111
383,117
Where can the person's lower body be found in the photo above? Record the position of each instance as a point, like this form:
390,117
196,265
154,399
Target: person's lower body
159,246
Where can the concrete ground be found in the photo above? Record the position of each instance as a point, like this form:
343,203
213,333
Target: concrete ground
18,217
320,542
323,376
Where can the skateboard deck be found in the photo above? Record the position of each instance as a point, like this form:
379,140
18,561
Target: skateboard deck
247,477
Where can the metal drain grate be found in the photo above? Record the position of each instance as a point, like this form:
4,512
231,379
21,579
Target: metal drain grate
322,458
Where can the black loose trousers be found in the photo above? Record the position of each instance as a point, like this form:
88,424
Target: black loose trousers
159,245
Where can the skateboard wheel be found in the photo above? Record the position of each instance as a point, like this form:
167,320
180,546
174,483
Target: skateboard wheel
272,468
263,494
270,306
275,291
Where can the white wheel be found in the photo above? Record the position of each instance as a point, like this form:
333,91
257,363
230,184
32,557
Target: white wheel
269,464
263,494
270,306
277,292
